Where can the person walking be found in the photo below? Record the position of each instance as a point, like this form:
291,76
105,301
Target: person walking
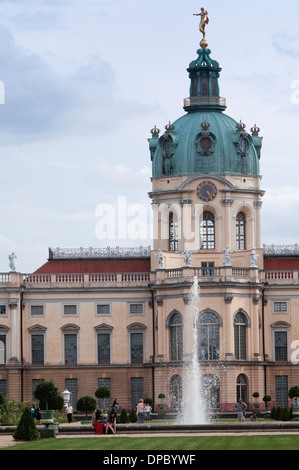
241,407
69,412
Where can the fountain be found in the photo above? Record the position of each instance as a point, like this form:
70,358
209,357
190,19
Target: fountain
193,409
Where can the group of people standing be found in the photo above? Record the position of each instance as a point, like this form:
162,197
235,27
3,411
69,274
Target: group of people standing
143,410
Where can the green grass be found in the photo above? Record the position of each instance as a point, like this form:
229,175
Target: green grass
192,443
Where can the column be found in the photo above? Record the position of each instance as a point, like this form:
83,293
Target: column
14,306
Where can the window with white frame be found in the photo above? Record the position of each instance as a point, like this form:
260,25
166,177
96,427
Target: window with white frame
3,309
281,345
3,352
280,307
70,309
37,348
136,308
37,310
103,309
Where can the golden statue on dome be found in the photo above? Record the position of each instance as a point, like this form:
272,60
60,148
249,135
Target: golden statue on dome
204,19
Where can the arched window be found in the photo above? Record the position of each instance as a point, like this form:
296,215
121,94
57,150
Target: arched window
176,337
207,231
208,336
173,232
240,324
176,393
241,231
2,349
242,388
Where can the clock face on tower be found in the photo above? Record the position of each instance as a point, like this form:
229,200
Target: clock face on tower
206,191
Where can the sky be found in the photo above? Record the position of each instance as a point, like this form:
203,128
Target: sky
84,81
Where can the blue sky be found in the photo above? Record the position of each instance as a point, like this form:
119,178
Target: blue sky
86,80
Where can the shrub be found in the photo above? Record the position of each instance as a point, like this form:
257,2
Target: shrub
277,415
133,416
11,412
285,414
124,417
273,413
26,429
86,404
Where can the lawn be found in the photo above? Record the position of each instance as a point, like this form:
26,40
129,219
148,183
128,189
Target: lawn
152,444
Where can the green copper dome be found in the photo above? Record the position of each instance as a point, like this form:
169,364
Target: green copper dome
205,140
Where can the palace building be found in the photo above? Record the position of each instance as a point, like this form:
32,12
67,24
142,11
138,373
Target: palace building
118,316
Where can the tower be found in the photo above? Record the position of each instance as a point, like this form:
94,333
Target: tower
206,199
206,192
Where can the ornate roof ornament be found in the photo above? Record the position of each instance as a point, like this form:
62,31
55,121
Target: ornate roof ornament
155,131
255,130
205,126
204,19
241,126
169,127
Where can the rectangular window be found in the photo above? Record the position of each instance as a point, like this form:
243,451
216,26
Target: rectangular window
281,346
104,348
240,342
71,385
204,86
281,384
37,309
2,350
104,402
2,309
103,309
37,345
70,309
136,309
137,390
70,349
280,307
3,387
137,348
35,383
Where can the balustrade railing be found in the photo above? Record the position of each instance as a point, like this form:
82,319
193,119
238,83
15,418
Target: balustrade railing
279,275
5,277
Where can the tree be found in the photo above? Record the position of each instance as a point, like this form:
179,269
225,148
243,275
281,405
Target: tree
26,429
149,401
294,392
48,396
267,399
102,392
86,404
